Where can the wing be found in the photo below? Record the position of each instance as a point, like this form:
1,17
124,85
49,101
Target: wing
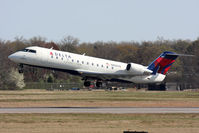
106,76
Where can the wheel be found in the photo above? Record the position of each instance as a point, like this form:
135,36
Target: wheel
87,83
99,84
20,68
20,71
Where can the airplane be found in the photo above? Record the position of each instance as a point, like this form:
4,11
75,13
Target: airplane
92,68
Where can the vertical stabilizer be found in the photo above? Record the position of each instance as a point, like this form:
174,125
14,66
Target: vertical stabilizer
163,62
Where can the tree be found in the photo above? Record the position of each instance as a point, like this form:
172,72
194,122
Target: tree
15,80
69,44
37,41
185,68
49,78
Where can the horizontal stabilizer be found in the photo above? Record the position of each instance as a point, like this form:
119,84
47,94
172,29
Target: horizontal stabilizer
181,54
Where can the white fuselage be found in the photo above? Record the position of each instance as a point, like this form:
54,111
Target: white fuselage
49,58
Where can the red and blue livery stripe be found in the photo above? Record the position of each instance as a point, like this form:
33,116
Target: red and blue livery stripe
163,63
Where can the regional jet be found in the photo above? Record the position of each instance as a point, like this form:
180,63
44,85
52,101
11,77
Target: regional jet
92,68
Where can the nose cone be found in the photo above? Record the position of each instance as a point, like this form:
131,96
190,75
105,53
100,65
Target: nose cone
17,57
11,57
14,57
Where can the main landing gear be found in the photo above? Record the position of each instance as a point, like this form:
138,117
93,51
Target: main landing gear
20,68
98,84
87,83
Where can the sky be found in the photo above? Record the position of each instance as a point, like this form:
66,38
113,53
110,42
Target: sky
100,20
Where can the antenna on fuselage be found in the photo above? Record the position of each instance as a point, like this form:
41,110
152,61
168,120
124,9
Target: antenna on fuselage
51,48
84,54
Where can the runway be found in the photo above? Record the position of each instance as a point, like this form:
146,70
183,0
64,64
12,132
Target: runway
102,110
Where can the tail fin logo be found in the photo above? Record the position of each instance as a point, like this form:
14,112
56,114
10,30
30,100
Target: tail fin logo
163,63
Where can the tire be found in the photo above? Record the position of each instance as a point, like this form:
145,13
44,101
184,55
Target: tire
99,84
87,83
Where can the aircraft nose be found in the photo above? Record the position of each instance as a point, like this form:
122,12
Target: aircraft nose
17,57
11,57
14,57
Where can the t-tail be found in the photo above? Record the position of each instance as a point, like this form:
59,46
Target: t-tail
163,62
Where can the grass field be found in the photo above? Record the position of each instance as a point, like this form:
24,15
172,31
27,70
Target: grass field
43,98
98,123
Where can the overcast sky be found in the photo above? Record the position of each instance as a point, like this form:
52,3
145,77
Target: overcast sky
100,20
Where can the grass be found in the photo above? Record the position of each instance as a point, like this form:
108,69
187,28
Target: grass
99,123
27,98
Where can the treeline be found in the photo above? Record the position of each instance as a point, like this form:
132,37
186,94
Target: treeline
184,70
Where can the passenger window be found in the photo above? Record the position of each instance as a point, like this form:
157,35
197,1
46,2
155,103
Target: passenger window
92,64
87,63
97,65
72,60
59,54
106,66
82,62
102,65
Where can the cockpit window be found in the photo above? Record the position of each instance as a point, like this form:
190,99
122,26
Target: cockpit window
29,50
24,50
32,51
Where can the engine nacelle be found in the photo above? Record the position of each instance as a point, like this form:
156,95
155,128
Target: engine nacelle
137,69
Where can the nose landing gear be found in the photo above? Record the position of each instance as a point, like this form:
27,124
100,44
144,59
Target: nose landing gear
20,68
